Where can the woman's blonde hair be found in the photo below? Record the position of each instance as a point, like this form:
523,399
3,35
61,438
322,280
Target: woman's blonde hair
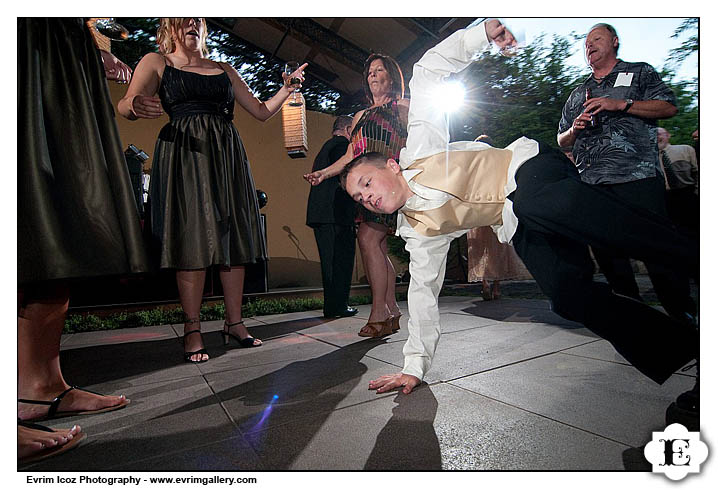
166,34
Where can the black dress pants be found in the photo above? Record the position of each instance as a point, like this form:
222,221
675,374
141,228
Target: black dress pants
684,208
672,286
559,217
337,245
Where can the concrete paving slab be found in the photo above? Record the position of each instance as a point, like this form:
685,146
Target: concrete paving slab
288,317
234,454
605,398
339,331
436,427
140,362
467,351
119,336
274,351
517,310
214,326
603,350
477,433
279,393
158,421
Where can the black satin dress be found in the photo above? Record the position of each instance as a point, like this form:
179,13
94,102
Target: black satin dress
76,216
204,204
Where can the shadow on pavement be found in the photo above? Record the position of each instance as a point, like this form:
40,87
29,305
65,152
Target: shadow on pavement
105,363
408,442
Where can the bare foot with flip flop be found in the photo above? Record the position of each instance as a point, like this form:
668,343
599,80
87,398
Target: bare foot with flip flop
72,401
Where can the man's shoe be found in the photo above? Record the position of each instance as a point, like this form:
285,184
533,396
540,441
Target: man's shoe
686,409
349,311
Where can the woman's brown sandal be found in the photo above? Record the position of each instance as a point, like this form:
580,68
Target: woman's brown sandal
395,322
379,329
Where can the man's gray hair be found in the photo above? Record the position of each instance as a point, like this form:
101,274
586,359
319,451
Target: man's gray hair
611,29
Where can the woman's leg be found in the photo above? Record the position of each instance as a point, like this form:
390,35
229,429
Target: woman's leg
41,318
486,289
233,284
496,289
190,284
390,279
370,237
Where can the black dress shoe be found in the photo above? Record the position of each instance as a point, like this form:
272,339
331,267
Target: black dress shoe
349,311
686,409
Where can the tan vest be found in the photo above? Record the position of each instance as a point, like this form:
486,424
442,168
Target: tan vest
476,179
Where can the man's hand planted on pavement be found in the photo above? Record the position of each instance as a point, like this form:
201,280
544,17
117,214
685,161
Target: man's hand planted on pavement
391,381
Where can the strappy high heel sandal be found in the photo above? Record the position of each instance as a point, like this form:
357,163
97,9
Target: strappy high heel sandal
202,351
395,322
378,329
245,342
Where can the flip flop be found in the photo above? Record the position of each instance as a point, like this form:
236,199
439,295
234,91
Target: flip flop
51,451
54,413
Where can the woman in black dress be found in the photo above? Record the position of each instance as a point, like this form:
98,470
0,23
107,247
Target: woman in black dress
76,216
204,207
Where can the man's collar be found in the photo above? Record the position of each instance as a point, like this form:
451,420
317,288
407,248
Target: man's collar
615,68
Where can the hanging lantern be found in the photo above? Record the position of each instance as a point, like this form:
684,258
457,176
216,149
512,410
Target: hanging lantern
294,122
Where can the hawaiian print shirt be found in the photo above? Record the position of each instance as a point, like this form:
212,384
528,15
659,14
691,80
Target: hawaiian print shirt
623,147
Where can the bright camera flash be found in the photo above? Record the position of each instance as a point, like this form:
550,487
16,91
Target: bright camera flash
449,96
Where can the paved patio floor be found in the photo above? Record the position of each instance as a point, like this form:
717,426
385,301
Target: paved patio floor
513,387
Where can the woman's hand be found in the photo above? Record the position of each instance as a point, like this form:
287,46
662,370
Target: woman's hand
114,68
315,178
146,106
299,73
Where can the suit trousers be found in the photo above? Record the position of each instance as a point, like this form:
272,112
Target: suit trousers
672,287
559,217
684,208
337,245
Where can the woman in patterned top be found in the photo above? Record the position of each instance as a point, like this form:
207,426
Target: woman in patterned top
379,128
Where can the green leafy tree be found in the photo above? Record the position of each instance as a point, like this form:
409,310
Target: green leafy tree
689,46
512,97
682,125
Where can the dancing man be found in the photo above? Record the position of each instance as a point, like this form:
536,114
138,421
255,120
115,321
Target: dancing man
531,195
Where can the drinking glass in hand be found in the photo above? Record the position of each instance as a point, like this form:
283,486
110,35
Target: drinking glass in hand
295,82
108,27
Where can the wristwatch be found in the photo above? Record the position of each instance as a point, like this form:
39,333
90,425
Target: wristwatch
629,103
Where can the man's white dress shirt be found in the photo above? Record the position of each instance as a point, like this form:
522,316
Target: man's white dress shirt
428,135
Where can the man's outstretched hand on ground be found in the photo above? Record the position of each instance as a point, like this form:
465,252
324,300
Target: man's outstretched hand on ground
391,381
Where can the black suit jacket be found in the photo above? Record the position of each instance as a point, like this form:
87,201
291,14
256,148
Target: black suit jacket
328,202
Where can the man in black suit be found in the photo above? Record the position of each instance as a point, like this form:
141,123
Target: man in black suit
330,212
